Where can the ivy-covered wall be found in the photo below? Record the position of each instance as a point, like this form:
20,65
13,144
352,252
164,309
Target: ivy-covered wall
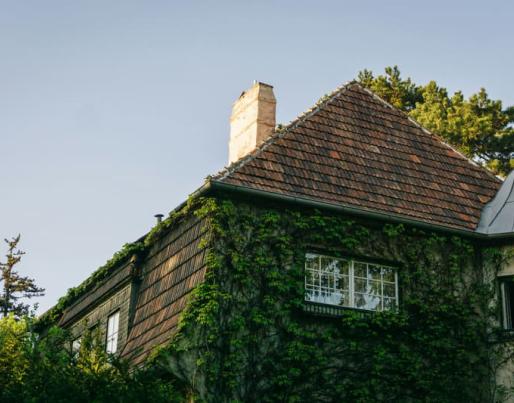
499,264
246,336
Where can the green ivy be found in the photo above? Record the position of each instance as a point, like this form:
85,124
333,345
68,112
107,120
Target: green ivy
245,335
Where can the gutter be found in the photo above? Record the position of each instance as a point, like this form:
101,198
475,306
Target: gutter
306,202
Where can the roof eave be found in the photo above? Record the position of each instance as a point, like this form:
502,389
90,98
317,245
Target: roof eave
302,201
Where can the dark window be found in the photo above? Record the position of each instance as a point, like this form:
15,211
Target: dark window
507,290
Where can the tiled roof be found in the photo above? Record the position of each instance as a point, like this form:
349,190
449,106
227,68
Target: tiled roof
356,150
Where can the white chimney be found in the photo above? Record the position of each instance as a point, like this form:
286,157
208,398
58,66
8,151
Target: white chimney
252,120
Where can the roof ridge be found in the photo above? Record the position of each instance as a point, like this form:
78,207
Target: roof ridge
281,132
425,130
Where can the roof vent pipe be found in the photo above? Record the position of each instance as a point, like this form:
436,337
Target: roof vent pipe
159,217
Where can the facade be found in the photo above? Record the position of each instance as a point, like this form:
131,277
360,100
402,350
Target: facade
351,255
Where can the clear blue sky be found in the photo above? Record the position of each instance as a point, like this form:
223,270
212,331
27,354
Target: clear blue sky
112,111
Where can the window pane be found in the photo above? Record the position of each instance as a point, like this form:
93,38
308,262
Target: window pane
508,287
389,304
343,283
311,277
113,322
329,265
367,301
360,270
368,286
344,299
336,298
360,285
325,280
311,294
374,272
311,261
112,333
388,274
389,290
344,267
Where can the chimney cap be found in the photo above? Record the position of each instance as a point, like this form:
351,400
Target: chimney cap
159,217
257,82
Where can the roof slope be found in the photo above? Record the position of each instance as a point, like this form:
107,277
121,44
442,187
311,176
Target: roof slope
174,266
356,150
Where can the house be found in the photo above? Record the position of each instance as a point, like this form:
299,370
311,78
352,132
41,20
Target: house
351,255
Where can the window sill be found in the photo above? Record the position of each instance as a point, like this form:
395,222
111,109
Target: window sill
507,335
332,311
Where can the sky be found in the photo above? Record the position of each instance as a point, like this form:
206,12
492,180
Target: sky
113,111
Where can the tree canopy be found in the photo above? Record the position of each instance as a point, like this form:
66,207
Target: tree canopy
35,369
479,127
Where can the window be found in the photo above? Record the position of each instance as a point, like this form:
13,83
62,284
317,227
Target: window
350,283
507,294
75,346
112,333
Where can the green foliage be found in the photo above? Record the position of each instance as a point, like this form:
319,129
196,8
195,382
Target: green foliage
34,370
246,334
478,126
399,92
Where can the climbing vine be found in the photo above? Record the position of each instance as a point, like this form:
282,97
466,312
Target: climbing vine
246,334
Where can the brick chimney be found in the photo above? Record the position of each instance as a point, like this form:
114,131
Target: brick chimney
252,120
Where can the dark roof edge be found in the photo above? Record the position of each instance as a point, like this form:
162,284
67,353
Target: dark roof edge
351,210
103,296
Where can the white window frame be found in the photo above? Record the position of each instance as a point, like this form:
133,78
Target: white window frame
322,289
113,326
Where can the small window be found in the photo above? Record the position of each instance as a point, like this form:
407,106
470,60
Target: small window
112,333
350,283
507,294
75,345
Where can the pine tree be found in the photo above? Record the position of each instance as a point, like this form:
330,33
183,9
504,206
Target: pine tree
14,286
479,127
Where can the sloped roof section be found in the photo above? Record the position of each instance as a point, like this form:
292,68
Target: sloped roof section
356,150
174,266
498,214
